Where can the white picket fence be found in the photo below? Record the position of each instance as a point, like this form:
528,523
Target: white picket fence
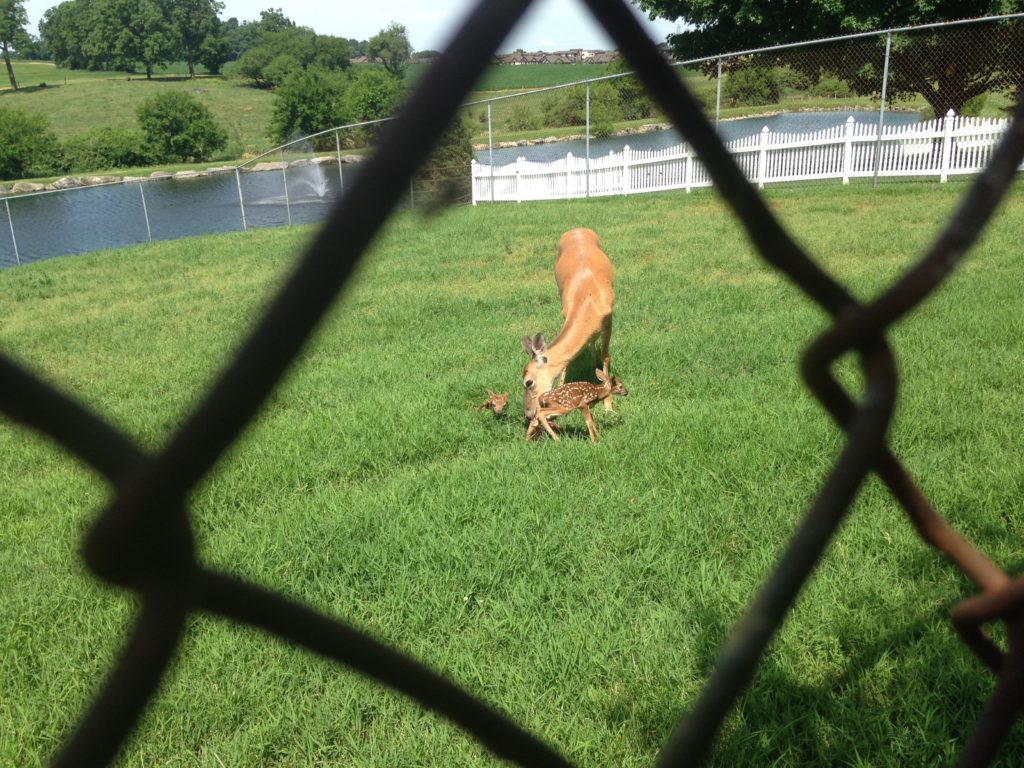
942,147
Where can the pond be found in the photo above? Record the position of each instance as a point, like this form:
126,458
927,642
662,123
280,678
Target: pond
116,215
111,216
728,130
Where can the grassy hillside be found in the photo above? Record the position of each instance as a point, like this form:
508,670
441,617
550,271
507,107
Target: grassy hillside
83,103
77,101
585,590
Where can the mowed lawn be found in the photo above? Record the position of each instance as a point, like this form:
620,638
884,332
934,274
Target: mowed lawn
583,589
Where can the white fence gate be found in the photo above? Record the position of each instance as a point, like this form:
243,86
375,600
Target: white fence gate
941,147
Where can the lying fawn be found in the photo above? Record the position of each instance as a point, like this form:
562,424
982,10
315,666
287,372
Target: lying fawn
495,402
568,397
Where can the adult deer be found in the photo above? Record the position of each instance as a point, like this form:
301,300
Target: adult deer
584,277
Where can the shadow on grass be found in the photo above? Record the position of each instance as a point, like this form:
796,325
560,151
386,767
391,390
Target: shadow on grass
911,696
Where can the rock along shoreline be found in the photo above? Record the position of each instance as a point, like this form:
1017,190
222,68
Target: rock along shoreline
75,182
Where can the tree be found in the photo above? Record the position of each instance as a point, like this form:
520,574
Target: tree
372,95
286,50
13,20
391,48
308,101
634,103
126,32
198,25
274,20
946,67
179,128
64,29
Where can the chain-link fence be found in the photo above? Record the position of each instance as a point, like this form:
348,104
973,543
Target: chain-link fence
884,81
588,134
143,540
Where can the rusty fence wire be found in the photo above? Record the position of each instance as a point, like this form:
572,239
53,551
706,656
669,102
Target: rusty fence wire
143,540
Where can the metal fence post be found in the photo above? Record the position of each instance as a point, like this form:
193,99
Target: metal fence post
14,240
145,212
287,199
241,200
718,94
588,138
490,147
881,108
341,176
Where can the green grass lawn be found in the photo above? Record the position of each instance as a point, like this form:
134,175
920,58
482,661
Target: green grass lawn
583,589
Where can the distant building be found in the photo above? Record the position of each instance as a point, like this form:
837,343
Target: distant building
572,56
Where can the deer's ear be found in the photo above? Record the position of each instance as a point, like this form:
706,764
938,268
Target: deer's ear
601,375
539,344
528,345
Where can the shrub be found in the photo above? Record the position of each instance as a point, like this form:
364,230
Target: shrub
568,107
372,94
792,78
28,147
445,176
178,128
521,118
751,86
634,103
974,106
308,101
831,87
106,148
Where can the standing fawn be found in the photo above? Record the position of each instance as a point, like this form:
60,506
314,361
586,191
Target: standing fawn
584,277
569,397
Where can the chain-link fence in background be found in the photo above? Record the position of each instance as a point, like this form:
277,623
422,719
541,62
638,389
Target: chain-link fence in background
143,541
885,81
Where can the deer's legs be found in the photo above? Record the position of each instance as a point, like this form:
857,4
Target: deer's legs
590,423
544,422
606,333
532,428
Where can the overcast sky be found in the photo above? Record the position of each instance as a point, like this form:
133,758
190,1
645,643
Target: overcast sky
549,25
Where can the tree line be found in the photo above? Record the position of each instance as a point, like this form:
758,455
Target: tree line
948,67
315,85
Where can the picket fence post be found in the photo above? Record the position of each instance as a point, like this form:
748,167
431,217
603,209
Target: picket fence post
568,175
689,170
762,158
947,145
473,177
519,178
627,177
848,150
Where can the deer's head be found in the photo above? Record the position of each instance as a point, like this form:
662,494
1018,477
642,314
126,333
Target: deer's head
495,402
615,386
537,376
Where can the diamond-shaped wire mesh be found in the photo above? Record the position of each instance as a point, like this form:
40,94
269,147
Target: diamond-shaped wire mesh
143,541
